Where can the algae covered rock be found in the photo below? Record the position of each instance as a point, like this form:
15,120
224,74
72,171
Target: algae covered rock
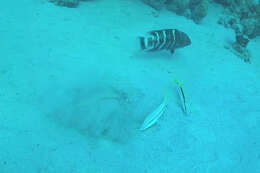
250,27
242,15
194,9
199,9
224,2
66,3
157,4
178,6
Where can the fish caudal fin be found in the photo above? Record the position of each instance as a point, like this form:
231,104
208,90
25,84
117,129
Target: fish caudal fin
142,43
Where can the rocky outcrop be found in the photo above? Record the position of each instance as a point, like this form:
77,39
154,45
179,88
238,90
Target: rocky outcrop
157,4
66,3
193,9
242,16
199,9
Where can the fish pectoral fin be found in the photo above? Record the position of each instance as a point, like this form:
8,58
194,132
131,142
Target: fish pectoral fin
172,51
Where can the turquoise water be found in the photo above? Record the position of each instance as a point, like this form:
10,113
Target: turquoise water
76,88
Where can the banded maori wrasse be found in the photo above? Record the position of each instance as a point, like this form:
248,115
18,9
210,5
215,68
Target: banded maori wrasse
165,39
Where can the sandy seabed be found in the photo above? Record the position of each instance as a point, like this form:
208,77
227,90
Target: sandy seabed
75,88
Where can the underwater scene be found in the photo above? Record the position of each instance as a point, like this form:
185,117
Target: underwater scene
130,86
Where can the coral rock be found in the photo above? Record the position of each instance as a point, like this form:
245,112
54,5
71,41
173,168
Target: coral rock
178,6
199,11
66,3
157,4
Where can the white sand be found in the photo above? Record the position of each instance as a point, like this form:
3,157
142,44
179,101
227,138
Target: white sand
49,53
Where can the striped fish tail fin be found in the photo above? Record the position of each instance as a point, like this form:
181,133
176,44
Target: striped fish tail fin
142,43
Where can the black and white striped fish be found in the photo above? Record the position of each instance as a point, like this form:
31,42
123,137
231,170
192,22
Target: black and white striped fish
165,39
